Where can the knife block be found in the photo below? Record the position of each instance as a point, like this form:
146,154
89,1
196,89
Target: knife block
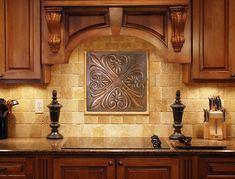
215,127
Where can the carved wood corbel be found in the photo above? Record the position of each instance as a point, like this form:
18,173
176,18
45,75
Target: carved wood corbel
178,16
53,19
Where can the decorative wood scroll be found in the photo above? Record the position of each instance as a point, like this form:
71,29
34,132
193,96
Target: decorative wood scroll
178,16
53,19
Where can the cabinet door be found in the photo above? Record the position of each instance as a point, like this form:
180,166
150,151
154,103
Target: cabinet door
84,168
148,168
16,168
217,168
20,39
212,32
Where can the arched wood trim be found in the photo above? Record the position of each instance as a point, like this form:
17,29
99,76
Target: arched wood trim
82,37
166,52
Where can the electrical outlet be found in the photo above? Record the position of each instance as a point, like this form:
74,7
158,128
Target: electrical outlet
39,108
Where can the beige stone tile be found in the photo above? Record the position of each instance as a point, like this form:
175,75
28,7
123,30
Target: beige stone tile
142,119
98,131
115,131
69,105
166,118
152,79
81,55
66,68
193,117
148,130
116,119
209,91
104,119
177,68
198,131
81,106
195,105
78,118
65,118
155,67
68,130
229,105
56,69
187,129
26,105
76,68
129,119
168,80
81,81
66,93
75,80
170,92
74,56
134,130
166,68
89,119
154,118
229,92
27,118
40,92
85,131
163,130
78,93
28,130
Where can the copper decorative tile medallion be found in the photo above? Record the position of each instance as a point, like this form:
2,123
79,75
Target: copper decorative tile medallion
116,82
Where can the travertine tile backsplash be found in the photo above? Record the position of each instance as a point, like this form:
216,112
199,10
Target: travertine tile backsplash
68,80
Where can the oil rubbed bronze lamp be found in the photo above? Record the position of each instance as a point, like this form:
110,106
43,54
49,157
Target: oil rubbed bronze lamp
178,109
54,107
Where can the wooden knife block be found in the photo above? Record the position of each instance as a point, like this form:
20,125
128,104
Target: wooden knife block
215,128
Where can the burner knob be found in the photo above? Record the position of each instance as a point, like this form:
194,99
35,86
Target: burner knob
156,142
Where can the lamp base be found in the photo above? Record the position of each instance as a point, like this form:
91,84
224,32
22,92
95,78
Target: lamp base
54,135
176,136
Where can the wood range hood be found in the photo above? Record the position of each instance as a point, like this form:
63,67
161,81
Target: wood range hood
163,23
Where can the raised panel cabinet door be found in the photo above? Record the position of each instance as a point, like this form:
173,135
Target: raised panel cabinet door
217,168
211,22
148,168
16,168
20,39
83,168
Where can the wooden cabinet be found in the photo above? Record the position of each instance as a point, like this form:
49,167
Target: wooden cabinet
213,44
20,40
83,168
16,168
217,168
126,168
148,168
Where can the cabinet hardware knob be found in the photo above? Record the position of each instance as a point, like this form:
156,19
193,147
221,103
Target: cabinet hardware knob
120,163
2,169
233,75
110,163
1,75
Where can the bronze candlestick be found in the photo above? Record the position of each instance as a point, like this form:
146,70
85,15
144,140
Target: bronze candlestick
54,107
178,109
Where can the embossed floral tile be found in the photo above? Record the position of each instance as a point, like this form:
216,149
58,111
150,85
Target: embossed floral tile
116,82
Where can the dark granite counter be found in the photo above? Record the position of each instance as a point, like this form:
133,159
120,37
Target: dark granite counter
112,146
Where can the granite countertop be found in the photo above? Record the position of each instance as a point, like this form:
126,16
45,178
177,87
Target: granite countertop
106,146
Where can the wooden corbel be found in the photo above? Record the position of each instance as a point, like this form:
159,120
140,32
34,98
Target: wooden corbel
53,19
115,16
178,16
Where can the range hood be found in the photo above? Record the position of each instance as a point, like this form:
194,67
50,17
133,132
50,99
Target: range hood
66,24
